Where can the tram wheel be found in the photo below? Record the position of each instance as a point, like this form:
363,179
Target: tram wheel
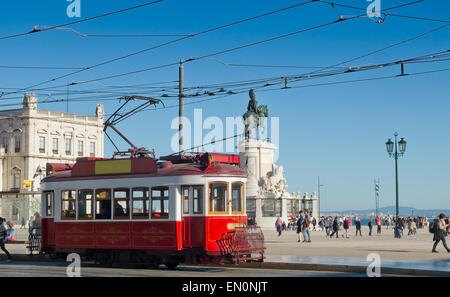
172,265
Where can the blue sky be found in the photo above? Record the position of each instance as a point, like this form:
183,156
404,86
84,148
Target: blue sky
336,132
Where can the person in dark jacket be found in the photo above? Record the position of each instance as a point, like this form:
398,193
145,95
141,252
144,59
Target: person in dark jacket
440,232
301,219
358,226
370,227
3,238
335,227
398,228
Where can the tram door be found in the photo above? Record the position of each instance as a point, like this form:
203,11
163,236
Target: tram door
193,224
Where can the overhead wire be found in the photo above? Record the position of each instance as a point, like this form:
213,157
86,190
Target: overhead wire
80,21
164,44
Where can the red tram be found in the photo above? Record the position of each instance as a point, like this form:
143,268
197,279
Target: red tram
144,211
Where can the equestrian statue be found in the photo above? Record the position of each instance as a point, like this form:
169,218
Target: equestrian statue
254,117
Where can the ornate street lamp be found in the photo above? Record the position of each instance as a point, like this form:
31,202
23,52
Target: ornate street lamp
396,149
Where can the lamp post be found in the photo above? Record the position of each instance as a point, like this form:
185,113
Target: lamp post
396,149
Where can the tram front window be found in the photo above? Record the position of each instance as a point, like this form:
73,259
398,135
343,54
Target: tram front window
218,197
236,197
68,211
103,204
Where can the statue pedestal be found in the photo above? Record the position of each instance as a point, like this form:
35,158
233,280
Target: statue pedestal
266,189
257,158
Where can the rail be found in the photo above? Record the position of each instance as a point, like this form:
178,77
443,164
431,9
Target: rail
34,240
247,244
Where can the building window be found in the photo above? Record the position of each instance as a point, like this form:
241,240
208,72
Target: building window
80,148
121,204
140,203
68,211
236,197
16,181
68,146
92,149
197,199
42,144
103,204
17,144
85,204
4,143
160,203
48,196
55,145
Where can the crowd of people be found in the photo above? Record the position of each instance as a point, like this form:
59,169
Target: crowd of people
303,223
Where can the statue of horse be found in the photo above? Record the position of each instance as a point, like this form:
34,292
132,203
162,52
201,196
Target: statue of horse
254,117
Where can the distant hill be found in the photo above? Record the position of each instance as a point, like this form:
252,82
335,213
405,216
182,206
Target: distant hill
403,211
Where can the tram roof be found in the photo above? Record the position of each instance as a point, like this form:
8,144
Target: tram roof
168,170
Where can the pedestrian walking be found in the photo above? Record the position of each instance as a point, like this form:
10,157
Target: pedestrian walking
22,226
278,225
3,238
300,220
346,227
370,227
306,224
440,232
335,228
378,222
314,223
358,226
398,228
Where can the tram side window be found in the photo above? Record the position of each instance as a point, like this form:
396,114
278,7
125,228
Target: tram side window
140,203
68,211
160,203
236,197
103,204
121,203
48,196
185,195
218,197
197,195
85,204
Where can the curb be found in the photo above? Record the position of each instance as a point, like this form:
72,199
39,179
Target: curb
343,268
288,266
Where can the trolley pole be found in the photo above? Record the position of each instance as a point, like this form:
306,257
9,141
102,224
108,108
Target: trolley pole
181,108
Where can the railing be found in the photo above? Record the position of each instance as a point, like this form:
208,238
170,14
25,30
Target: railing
34,240
247,244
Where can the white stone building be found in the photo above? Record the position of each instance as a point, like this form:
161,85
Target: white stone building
29,139
267,195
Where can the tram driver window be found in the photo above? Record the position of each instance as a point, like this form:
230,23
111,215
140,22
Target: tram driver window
140,203
236,197
68,211
121,204
197,194
85,206
103,204
185,194
160,203
218,197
